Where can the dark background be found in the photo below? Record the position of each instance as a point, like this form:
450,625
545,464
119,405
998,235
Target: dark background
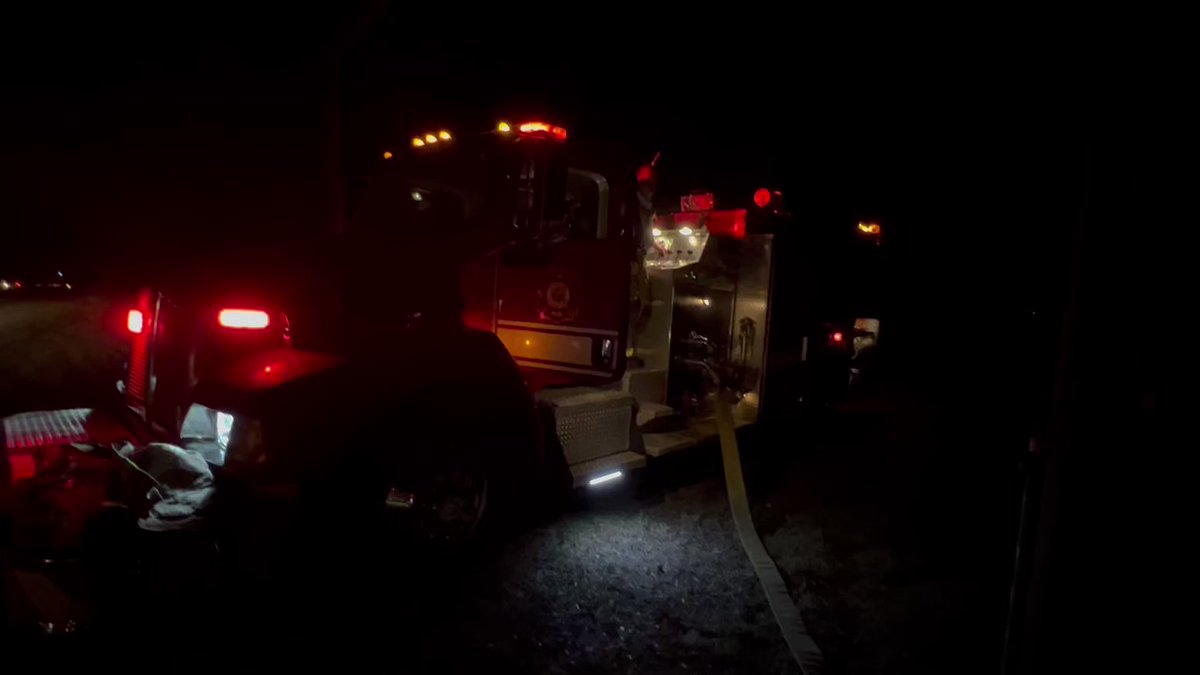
969,148
138,136
131,132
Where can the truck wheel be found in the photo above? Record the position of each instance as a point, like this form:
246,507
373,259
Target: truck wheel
450,507
453,504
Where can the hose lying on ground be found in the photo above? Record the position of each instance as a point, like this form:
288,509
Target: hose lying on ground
802,646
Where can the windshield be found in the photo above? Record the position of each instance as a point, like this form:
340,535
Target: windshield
456,199
414,206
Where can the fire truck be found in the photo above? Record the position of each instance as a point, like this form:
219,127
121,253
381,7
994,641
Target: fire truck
505,316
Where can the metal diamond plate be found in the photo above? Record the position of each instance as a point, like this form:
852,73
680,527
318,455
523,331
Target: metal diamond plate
56,427
590,423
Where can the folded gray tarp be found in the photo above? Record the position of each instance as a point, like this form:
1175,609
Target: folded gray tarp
183,485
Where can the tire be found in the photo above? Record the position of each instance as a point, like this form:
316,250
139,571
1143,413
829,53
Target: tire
450,505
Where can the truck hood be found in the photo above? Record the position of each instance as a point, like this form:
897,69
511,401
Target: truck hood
328,286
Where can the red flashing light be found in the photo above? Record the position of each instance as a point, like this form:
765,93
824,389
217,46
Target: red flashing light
697,202
135,321
645,173
727,223
543,130
253,319
762,197
838,337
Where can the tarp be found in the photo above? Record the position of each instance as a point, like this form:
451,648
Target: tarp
182,485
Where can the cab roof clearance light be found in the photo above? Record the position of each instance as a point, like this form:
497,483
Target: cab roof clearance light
432,138
542,130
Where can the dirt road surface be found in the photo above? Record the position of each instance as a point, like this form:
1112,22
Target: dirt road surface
58,353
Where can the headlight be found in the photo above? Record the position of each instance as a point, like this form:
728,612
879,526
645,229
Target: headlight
4,285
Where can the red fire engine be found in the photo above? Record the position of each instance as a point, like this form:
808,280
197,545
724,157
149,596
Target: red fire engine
498,305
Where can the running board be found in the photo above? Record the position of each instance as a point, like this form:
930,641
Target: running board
695,433
622,462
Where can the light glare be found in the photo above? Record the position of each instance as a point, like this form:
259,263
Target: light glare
243,318
605,478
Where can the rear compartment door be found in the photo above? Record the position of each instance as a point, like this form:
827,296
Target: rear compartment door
564,316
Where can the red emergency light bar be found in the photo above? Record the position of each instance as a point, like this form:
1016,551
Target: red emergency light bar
542,130
697,201
252,319
762,197
730,223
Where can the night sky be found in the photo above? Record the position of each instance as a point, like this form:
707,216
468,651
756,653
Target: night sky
131,132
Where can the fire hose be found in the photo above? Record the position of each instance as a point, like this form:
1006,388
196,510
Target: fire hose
800,643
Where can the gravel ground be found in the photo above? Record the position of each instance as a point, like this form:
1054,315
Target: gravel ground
893,531
645,588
